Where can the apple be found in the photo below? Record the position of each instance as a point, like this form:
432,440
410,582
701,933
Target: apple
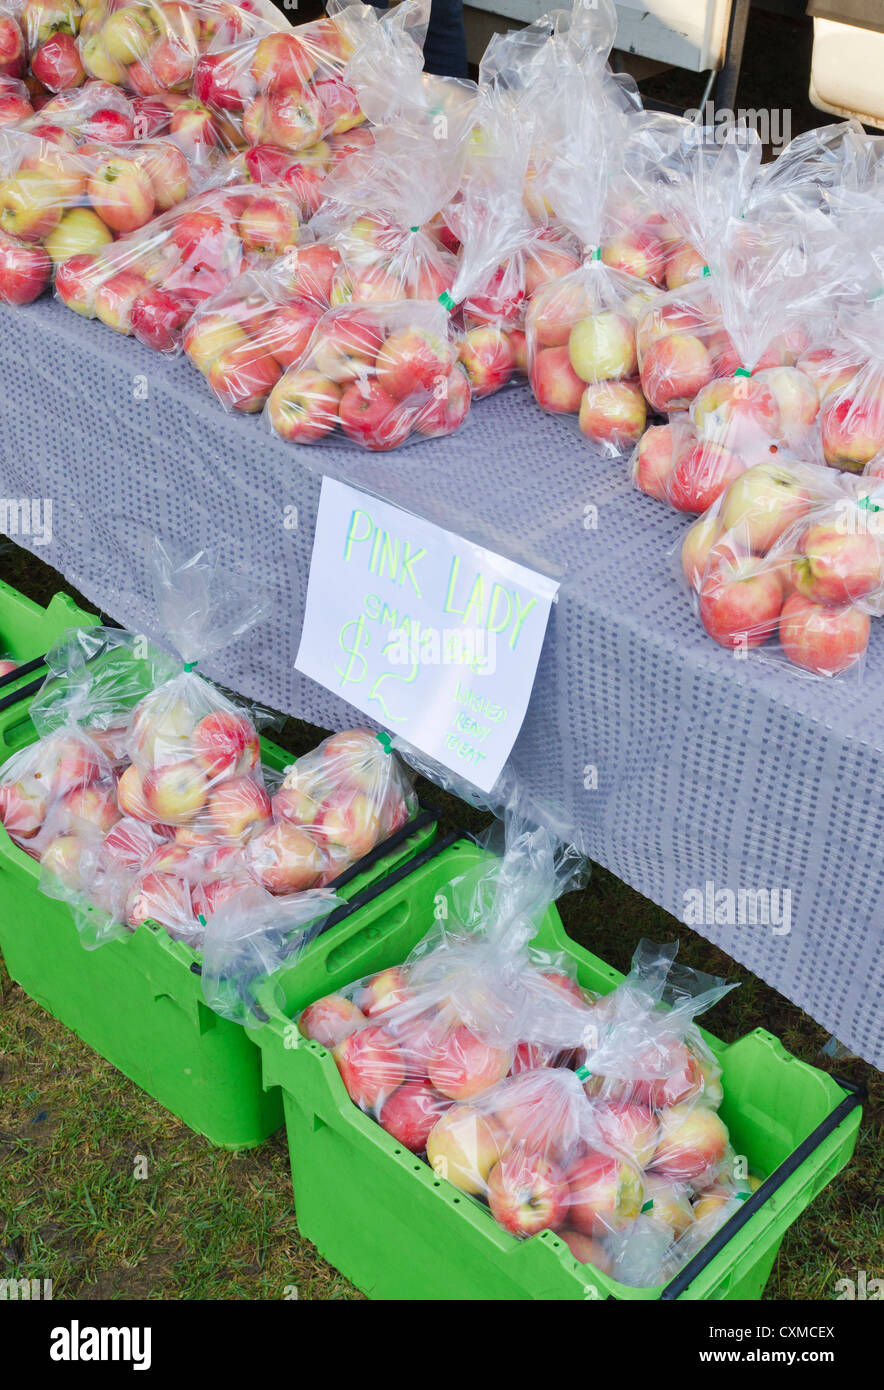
371,1066
62,857
654,461
348,344
93,803
167,172
225,744
737,411
602,347
413,363
303,406
160,897
464,1064
243,376
122,194
99,63
667,1073
56,63
701,475
797,398
23,806
464,1146
587,1250
613,413
130,795
384,991
670,1203
29,206
130,841
237,806
693,1140
696,548
605,1194
13,56
159,317
351,820
822,639
312,269
293,119
763,502
268,226
636,253
219,82
410,1113
740,603
171,62
79,234
448,408
193,127
710,1206
629,1128
527,1193
833,565
25,271
488,358
684,265
115,298
830,369
673,370
128,34
330,1020
852,427
371,418
282,61
544,263
284,859
176,792
208,336
109,126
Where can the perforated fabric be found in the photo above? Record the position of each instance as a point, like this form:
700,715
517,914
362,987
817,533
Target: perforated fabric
708,768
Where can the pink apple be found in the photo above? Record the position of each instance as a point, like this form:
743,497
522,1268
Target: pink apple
115,298
304,405
602,347
130,842
693,1141
833,565
130,795
737,411
383,991
243,376
627,1127
412,363
56,63
62,858
347,345
289,329
284,859
605,1194
543,263
830,369
587,1250
464,1146
636,253
701,475
740,603
684,265
159,316
225,744
330,1020
294,119
446,410
410,1113
160,897
697,547
13,58
207,336
168,173
852,427
371,1066
820,638
238,807
613,413
25,271
372,418
527,1194
762,503
268,225
673,370
176,792
121,193
797,398
654,461
464,1064
282,61
23,806
670,1203
94,804
312,270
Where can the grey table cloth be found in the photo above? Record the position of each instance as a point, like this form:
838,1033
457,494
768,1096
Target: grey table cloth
722,789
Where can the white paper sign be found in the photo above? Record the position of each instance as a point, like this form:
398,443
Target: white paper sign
432,636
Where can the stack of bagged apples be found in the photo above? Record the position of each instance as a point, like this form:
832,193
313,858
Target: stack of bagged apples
595,1118
793,552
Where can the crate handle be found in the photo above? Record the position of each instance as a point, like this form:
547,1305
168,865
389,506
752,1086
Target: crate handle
24,669
15,695
857,1094
425,816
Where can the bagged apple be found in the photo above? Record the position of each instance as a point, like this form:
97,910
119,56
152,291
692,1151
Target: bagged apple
469,1006
380,373
15,101
801,561
581,328
60,788
96,112
13,46
150,283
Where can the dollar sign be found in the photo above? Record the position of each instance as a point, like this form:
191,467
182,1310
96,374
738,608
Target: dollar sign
360,638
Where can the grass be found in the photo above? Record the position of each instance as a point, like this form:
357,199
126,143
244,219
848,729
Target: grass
105,1193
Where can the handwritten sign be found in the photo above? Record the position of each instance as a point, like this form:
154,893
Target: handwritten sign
432,636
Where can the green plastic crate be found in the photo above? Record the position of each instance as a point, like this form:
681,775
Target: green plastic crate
380,1214
138,1001
27,631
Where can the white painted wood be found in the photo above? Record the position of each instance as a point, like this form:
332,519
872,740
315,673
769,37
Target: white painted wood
845,71
688,34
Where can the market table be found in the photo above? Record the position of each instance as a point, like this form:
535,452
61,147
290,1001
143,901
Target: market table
678,766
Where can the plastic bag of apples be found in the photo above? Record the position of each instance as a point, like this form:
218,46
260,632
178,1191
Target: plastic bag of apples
150,283
792,552
581,328
725,359
60,199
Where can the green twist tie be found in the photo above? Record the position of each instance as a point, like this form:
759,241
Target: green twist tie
742,1196
190,665
201,919
446,301
706,270
583,1073
597,254
868,505
414,229
647,1206
385,741
742,371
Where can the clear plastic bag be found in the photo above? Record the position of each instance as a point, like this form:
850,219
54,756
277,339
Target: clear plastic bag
380,373
15,103
150,283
